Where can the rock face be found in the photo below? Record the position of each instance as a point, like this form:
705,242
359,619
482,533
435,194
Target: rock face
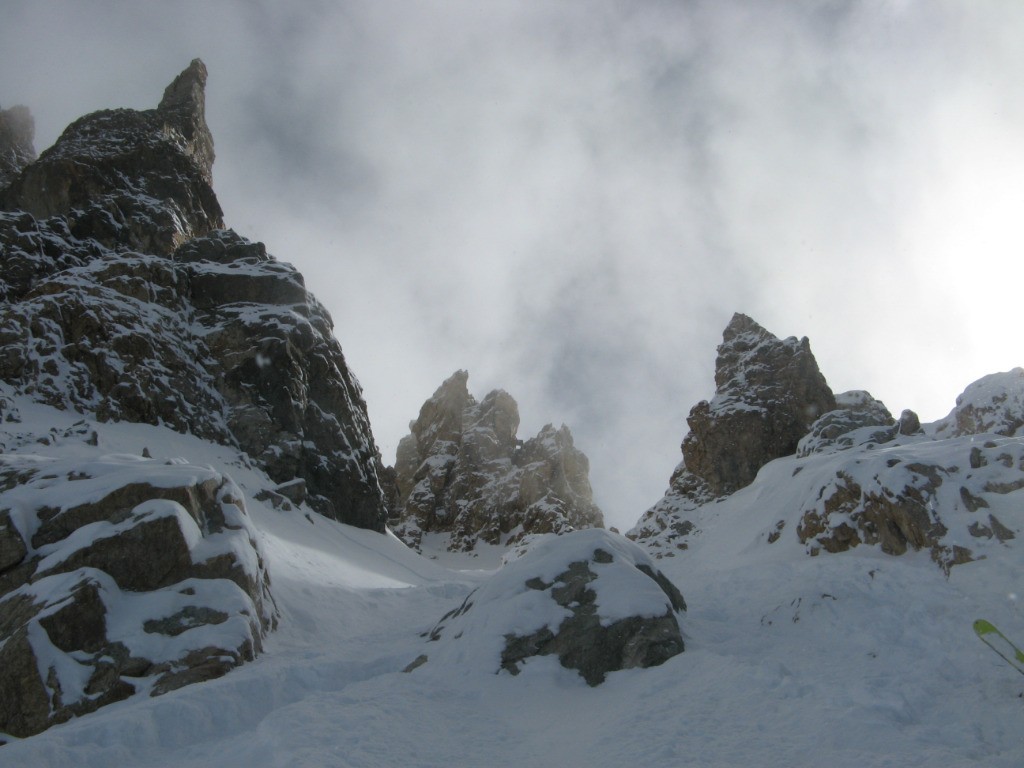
120,574
856,476
590,598
462,472
121,295
17,134
137,180
768,393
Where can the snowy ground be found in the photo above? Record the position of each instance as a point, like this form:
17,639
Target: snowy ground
857,659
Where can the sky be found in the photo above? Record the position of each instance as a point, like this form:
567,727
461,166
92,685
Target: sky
570,200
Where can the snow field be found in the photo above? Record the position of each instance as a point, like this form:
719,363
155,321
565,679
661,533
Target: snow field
858,659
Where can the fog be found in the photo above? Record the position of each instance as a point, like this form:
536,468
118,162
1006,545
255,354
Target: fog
570,200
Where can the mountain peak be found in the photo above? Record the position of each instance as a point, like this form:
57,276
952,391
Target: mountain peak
17,133
184,104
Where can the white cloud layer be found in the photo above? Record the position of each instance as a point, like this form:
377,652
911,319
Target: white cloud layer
571,199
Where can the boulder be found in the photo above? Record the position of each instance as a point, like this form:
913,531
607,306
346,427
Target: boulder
590,598
859,419
462,472
120,574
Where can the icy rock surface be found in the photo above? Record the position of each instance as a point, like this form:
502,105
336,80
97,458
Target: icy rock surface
461,471
591,598
120,574
121,295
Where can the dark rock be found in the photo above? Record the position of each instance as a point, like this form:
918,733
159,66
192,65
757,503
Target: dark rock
123,296
17,133
12,546
768,393
910,424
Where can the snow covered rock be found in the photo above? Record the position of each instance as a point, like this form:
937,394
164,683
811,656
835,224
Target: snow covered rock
122,296
17,133
120,574
858,420
768,393
994,403
127,178
590,598
461,471
953,498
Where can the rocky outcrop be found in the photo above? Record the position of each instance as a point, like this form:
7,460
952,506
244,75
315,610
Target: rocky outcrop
901,501
768,393
616,611
994,403
119,575
17,134
123,297
859,419
128,179
462,472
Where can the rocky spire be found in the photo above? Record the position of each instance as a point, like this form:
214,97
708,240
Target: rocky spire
769,392
121,295
130,180
461,471
17,133
184,107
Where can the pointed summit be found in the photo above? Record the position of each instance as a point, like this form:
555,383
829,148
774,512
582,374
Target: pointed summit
184,107
17,132
129,179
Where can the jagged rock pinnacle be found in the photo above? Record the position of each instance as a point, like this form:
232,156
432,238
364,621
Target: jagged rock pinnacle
184,105
129,179
462,472
17,132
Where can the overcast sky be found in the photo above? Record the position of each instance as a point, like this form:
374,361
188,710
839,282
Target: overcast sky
570,199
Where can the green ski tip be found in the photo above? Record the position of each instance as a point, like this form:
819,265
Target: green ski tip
982,627
1000,643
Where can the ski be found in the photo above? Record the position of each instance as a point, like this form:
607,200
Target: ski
1000,643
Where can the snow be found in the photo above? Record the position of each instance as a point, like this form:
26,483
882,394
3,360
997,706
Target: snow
857,659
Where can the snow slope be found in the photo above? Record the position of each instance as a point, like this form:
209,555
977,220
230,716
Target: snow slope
855,659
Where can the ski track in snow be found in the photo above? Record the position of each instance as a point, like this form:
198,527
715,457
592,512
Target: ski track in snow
857,659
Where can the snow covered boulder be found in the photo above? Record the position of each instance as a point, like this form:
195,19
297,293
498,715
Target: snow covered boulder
994,403
591,598
859,419
118,575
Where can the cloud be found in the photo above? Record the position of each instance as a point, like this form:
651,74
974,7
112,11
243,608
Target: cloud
570,200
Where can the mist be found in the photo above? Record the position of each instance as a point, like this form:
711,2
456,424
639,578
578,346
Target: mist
570,200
